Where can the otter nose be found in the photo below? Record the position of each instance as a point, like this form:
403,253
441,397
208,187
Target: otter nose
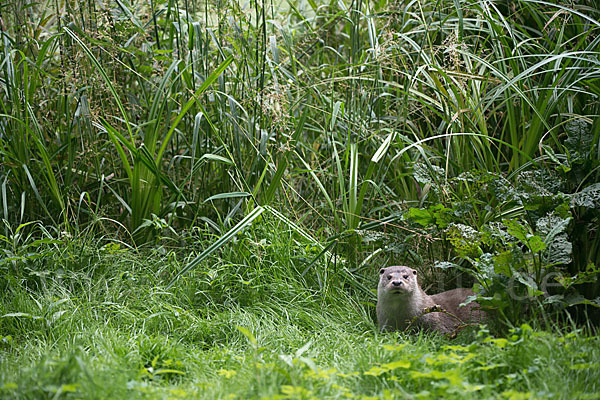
397,283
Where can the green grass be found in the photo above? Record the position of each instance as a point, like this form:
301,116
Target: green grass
82,321
140,141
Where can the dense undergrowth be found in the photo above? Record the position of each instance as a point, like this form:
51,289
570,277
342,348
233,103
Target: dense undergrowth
104,327
196,196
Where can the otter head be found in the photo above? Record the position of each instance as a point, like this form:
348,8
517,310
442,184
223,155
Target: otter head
398,280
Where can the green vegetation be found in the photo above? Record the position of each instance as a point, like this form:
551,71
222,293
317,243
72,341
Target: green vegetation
104,327
196,196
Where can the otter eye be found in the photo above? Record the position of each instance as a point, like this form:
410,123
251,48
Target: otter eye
405,276
389,277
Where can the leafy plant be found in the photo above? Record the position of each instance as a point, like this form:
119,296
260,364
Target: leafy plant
516,240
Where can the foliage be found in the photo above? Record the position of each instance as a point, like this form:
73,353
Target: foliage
517,242
241,327
245,168
193,111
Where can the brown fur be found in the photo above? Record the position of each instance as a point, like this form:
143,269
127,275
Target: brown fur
400,300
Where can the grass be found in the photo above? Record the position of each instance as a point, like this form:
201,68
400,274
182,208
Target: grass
83,321
149,118
196,196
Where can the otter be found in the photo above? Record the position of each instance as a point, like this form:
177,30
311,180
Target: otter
401,303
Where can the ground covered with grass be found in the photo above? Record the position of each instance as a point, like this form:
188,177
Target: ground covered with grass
87,321
196,196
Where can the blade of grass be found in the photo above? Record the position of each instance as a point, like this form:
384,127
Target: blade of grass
220,242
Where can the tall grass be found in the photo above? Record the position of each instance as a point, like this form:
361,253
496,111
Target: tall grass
148,119
196,196
456,69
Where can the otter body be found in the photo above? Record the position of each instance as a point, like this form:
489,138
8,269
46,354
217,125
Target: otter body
400,300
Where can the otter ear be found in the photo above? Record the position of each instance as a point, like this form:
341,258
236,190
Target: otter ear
381,271
414,271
